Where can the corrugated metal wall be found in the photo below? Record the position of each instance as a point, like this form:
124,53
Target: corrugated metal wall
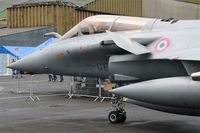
170,9
60,16
64,17
30,16
124,7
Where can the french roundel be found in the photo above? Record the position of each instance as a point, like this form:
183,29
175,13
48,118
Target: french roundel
162,44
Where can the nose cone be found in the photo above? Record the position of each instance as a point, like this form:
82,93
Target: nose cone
15,65
33,63
122,91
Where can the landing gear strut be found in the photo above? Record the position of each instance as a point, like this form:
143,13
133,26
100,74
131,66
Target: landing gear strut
119,115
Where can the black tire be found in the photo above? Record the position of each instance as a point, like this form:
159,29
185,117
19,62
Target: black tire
122,118
114,117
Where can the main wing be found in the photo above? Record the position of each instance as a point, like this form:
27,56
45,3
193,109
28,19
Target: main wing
168,56
128,44
158,46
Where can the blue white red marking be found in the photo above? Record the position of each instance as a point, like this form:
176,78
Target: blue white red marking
162,45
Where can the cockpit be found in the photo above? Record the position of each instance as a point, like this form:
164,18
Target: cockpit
103,23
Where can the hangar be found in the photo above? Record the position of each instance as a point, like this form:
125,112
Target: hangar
64,14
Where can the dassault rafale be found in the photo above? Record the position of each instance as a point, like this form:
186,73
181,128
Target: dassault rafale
159,58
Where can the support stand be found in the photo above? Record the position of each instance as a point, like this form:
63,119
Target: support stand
31,96
70,94
99,97
18,82
99,90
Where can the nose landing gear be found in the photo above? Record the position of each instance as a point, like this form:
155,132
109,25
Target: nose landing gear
119,115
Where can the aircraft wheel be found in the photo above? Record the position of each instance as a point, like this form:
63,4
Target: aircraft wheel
122,118
114,117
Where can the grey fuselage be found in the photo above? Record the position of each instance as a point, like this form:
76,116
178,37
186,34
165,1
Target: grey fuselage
87,56
97,55
78,56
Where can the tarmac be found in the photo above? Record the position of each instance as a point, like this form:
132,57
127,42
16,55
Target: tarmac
55,113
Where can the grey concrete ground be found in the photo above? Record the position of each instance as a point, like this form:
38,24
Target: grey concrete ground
57,114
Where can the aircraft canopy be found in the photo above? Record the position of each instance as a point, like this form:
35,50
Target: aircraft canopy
102,23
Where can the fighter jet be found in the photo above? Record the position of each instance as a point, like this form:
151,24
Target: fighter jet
159,58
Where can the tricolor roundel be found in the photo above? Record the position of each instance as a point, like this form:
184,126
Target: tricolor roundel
162,44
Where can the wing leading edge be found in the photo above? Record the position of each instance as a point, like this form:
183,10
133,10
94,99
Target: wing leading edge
128,44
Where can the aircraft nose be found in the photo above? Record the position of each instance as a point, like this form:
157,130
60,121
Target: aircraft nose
14,65
25,64
32,63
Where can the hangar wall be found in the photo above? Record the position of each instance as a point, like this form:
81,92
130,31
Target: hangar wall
61,16
170,9
191,1
64,16
123,7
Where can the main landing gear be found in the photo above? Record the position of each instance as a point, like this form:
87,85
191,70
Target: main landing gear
119,115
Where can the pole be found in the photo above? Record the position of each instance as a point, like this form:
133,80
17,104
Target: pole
100,83
18,76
